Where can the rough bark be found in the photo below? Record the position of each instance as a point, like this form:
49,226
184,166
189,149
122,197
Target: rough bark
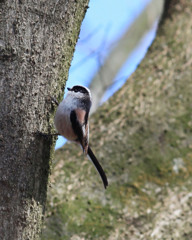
37,40
142,136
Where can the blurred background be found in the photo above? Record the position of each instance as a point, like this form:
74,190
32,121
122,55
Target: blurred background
117,34
142,136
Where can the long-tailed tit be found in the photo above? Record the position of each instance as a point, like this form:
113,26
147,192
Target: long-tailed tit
71,121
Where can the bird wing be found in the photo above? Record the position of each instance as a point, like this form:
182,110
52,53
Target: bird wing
80,127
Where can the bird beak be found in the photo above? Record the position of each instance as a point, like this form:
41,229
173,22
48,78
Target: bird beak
69,89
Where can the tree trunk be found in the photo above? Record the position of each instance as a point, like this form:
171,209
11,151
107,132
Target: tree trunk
143,139
37,41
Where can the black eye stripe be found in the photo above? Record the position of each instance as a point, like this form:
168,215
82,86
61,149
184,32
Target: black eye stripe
80,89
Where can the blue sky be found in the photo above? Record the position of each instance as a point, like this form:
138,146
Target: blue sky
105,22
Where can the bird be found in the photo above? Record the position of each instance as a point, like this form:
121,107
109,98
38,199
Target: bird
72,121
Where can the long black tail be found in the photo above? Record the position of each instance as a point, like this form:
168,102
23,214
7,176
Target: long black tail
98,167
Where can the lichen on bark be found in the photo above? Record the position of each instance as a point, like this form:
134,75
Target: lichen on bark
37,41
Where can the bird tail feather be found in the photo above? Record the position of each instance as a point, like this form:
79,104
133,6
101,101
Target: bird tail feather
97,165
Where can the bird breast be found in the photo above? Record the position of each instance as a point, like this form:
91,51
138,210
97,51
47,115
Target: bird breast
63,122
